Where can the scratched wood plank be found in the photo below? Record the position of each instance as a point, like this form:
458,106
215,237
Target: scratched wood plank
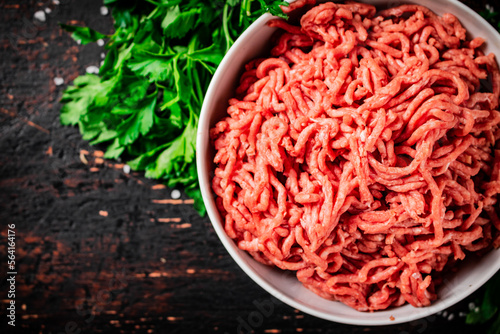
100,250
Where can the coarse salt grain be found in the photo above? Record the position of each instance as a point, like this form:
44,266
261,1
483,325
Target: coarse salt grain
103,55
126,169
471,306
100,42
55,2
40,16
104,10
175,194
58,81
451,317
48,10
92,70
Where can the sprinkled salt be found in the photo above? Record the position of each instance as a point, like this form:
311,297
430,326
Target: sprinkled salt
48,10
55,2
471,306
58,81
104,10
40,16
126,169
445,314
100,42
92,70
462,314
477,309
103,55
175,194
451,317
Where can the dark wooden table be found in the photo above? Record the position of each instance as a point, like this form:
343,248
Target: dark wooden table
100,250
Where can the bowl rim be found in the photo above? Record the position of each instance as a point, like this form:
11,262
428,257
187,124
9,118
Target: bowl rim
242,258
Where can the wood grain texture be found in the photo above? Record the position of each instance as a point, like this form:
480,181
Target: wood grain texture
99,250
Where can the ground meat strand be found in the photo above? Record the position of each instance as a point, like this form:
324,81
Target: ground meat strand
363,153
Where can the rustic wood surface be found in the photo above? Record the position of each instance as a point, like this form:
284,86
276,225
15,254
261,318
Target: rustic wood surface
99,250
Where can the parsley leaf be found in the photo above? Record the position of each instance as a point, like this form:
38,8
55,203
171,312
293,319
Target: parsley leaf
155,67
83,34
139,123
177,23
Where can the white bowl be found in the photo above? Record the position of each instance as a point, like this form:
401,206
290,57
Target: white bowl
284,285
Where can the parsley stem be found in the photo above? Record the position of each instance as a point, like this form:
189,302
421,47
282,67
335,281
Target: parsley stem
225,27
199,90
245,10
154,2
248,7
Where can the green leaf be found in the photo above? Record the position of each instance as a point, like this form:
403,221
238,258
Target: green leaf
194,192
78,99
177,24
138,123
84,35
183,83
273,7
155,67
141,162
92,125
72,111
132,89
207,57
148,38
168,161
213,54
114,150
180,152
104,136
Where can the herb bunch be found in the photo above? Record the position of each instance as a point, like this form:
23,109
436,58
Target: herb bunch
144,105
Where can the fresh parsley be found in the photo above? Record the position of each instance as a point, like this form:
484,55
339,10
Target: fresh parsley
83,34
144,105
